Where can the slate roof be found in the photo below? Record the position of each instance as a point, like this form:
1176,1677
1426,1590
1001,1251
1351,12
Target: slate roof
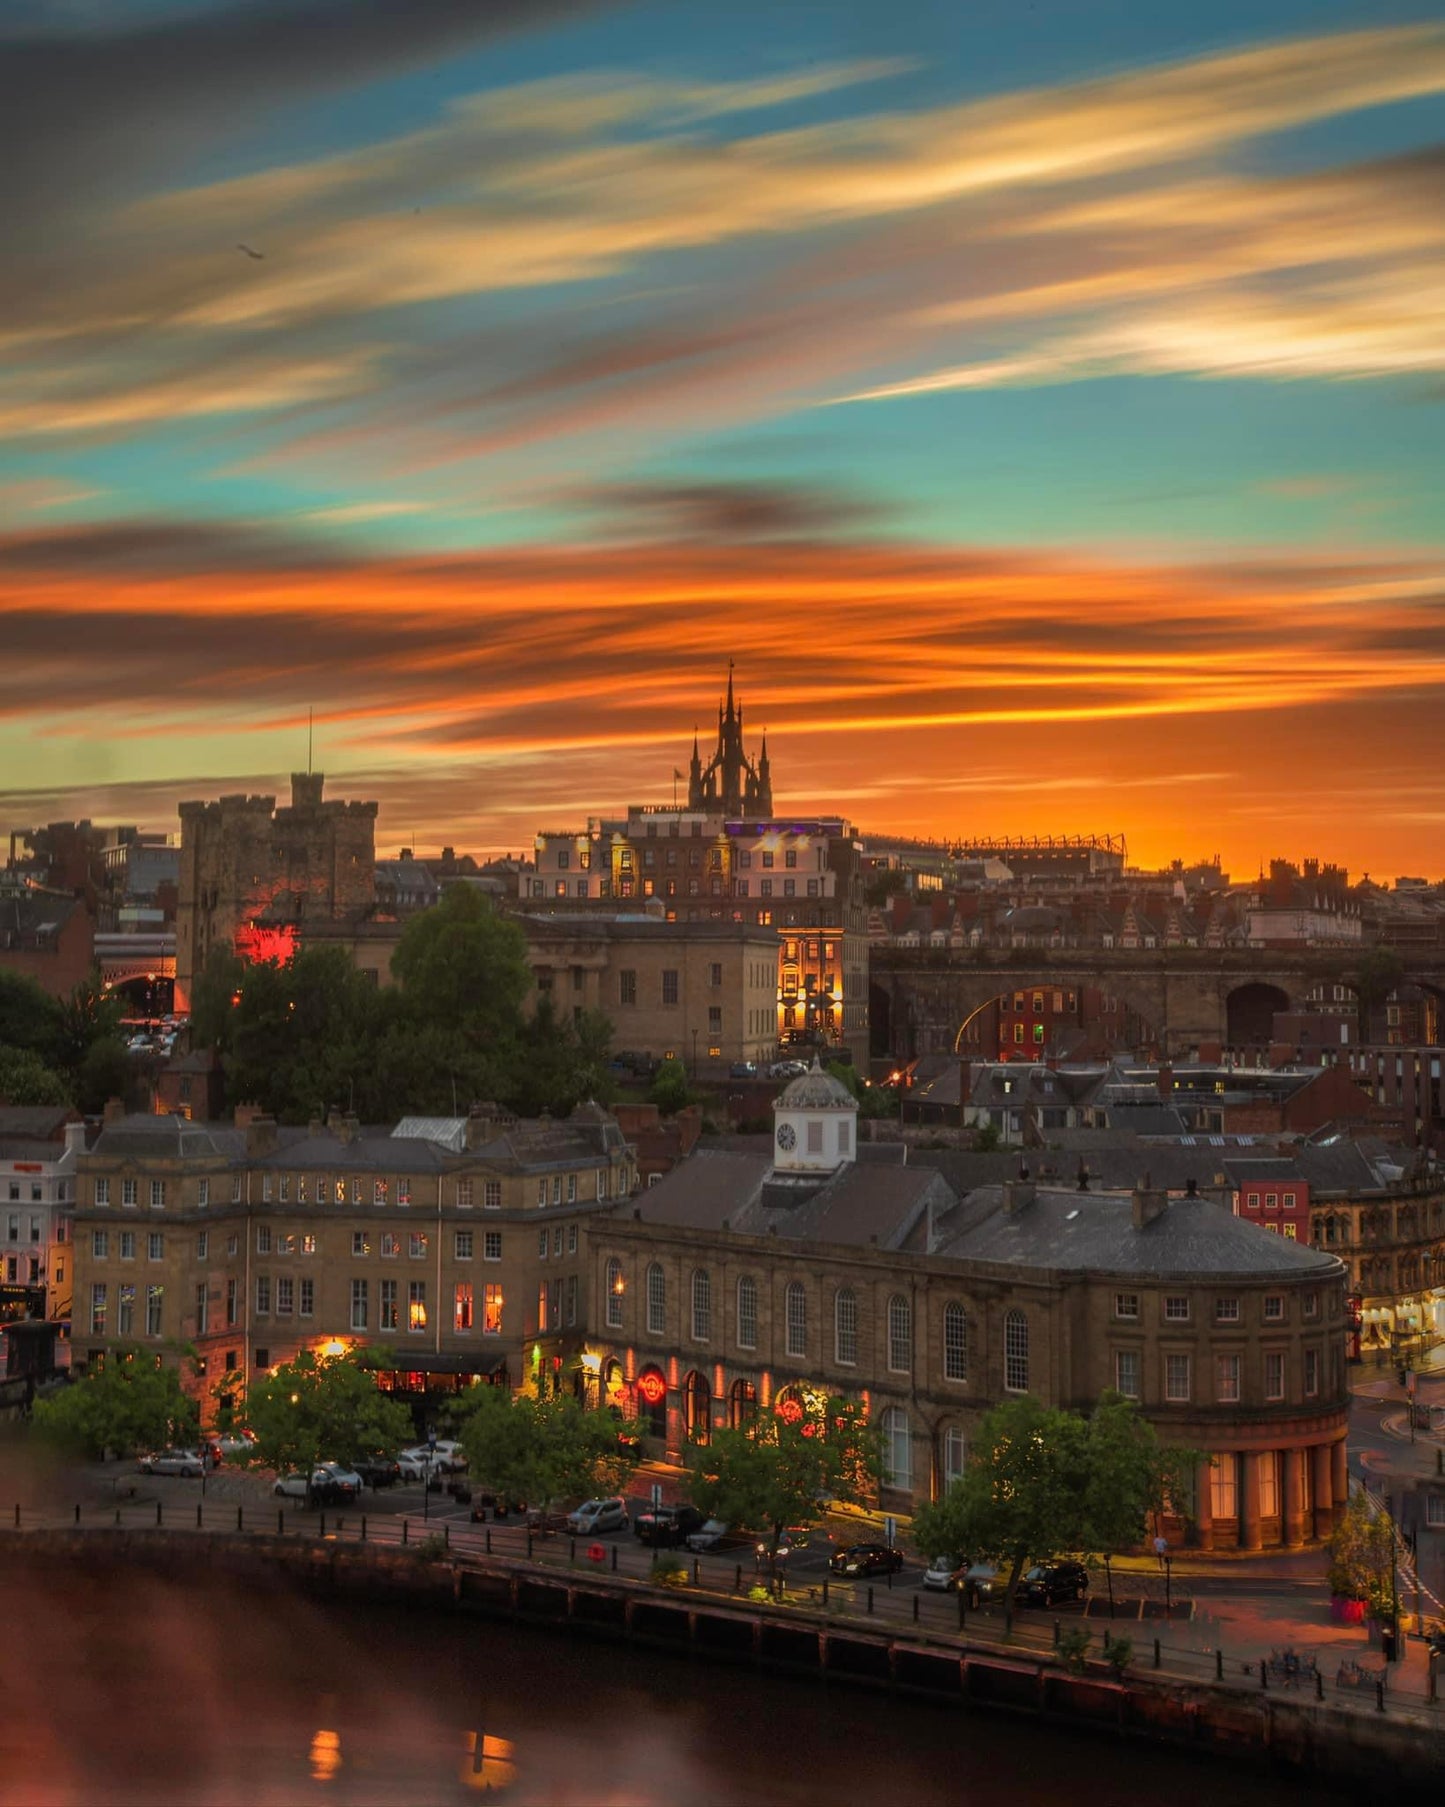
856,1204
151,1138
44,1122
1073,1232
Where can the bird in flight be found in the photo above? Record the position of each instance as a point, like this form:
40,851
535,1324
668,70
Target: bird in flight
258,255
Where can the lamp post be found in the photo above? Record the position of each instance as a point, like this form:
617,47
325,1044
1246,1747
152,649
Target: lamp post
694,1056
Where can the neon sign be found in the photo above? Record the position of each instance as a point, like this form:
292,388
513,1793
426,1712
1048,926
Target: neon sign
263,943
651,1386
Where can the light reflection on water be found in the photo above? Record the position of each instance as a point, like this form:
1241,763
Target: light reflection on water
125,1688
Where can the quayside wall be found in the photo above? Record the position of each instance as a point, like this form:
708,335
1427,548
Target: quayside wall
1226,1719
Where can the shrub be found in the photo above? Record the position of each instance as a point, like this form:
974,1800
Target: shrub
669,1570
432,1549
1074,1648
1118,1653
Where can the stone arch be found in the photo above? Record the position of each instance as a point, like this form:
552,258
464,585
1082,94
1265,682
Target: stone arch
1250,1010
697,1407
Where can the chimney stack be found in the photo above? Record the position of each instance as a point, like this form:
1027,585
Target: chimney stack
1018,1194
260,1133
1148,1202
114,1110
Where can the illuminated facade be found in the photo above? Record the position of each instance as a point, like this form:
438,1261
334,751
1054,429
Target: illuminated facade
739,1284
457,1243
252,875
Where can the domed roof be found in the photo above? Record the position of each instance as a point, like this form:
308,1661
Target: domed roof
816,1091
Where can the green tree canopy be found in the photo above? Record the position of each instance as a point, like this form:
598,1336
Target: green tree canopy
463,965
30,1019
669,1090
540,1451
322,1408
26,1079
1040,1482
1362,1561
123,1403
782,1469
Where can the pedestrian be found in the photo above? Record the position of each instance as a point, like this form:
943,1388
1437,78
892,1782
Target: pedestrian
1161,1549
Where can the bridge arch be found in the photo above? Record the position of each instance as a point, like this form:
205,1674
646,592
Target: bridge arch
1250,1010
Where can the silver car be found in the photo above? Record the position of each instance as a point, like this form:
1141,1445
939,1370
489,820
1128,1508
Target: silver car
173,1461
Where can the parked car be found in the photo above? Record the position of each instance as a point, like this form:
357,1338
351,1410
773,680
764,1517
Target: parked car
943,1575
416,1465
743,1069
173,1461
787,1069
1046,1583
445,1456
665,1527
598,1515
715,1535
379,1471
866,1559
982,1581
331,1485
233,1443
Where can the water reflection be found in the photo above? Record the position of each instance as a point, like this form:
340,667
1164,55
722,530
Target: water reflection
124,1688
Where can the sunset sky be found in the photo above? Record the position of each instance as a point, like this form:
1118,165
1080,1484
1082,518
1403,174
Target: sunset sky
1040,400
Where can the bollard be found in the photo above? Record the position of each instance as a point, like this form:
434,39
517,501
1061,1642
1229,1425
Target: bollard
238,1518
529,1543
158,1512
738,1579
1380,1696
323,1524
446,1537
962,1611
489,1540
614,1559
1008,1622
1058,1633
363,1527
571,1549
198,1515
17,1518
825,1593
406,1530
1219,1665
77,1512
870,1599
280,1521
696,1572
117,1518
1264,1675
915,1607
1156,1653
1440,1461
889,1579
1320,1685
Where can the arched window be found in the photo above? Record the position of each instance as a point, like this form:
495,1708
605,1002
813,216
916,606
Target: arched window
900,1334
614,1294
701,1305
697,1408
747,1312
656,1300
1016,1352
797,1318
742,1404
845,1326
897,1449
955,1342
955,1454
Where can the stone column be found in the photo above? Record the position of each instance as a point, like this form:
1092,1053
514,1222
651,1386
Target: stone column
1247,1481
1340,1479
1290,1488
1324,1489
1204,1505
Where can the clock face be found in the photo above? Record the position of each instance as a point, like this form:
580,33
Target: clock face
787,1136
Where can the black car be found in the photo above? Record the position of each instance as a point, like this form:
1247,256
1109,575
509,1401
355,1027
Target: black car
866,1559
1049,1582
667,1526
378,1471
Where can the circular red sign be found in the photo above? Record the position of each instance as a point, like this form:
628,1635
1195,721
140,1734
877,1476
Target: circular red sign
651,1386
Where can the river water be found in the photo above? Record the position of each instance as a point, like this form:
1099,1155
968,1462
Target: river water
131,1690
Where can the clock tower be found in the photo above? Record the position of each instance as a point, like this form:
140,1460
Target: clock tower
815,1125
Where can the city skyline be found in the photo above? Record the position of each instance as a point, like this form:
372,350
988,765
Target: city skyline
1041,408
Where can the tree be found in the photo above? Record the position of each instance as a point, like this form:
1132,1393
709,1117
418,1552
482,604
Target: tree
539,1450
1362,1558
123,1403
669,1090
89,1015
25,1079
30,1019
1041,1482
212,1000
104,1073
781,1470
462,964
1380,970
322,1408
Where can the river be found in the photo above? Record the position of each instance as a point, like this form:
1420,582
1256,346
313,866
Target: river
128,1690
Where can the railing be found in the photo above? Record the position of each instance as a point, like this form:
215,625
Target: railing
907,1613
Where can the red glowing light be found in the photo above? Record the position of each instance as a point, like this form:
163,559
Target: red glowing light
790,1410
651,1386
260,943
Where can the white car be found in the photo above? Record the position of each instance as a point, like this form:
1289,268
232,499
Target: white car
598,1515
446,1456
330,1485
173,1461
940,1573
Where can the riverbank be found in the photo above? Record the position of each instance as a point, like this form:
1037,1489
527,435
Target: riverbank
1240,1719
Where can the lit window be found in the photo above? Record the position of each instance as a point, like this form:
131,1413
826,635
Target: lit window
462,1308
416,1305
614,1293
492,1311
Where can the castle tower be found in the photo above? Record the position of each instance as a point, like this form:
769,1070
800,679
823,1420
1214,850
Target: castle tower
730,782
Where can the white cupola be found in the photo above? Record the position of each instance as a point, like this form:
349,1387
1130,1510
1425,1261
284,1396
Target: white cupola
815,1124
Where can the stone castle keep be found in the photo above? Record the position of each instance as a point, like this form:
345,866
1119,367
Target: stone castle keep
248,866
